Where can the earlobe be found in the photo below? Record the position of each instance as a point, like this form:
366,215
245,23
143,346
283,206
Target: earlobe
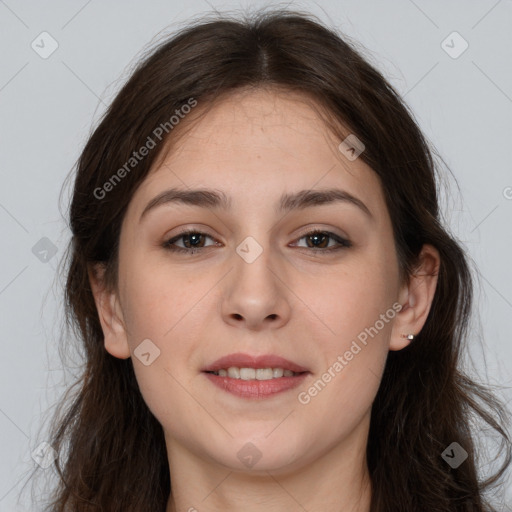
416,298
110,315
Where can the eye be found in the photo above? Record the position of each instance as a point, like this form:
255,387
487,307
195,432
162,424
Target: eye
319,237
193,241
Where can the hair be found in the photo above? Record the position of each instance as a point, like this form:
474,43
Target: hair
111,452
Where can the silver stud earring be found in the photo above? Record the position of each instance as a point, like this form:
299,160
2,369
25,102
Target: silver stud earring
408,336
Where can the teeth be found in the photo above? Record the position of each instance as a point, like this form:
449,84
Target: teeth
254,373
247,373
234,373
264,374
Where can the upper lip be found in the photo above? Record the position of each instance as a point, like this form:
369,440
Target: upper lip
240,360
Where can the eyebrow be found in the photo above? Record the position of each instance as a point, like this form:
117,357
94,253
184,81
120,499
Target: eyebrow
208,198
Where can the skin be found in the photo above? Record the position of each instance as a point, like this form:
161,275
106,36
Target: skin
290,301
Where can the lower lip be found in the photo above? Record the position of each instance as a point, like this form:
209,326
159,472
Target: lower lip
256,388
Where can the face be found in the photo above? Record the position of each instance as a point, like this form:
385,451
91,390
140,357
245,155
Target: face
254,279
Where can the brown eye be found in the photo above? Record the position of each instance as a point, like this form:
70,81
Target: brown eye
192,241
319,240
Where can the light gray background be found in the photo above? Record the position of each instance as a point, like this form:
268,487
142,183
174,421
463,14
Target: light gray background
48,106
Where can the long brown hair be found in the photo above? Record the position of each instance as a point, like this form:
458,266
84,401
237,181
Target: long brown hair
111,449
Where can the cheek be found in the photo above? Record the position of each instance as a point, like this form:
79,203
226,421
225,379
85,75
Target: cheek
341,393
355,315
345,303
156,312
156,299
167,309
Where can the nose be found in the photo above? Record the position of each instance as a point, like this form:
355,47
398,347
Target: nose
255,294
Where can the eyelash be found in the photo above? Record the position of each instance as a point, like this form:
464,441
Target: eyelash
343,243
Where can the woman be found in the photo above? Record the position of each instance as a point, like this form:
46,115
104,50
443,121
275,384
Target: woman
272,313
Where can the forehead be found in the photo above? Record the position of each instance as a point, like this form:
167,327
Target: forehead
256,121
258,143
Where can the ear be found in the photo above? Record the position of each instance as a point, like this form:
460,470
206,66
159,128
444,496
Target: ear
416,298
110,314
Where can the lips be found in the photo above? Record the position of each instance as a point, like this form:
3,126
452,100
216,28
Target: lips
241,360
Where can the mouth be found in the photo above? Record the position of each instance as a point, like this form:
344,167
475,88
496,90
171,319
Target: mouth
234,372
255,377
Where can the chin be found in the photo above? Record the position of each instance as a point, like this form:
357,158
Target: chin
260,455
